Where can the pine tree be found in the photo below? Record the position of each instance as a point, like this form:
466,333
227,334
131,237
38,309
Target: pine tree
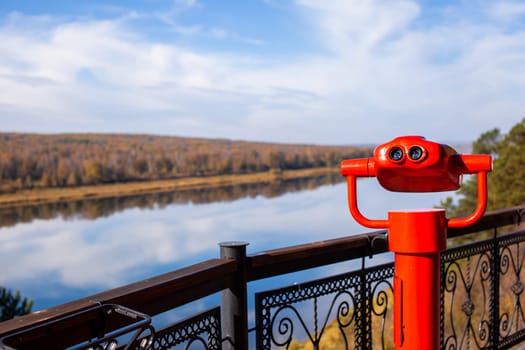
506,182
12,305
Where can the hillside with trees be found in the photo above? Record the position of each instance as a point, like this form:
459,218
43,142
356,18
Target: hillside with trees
66,160
506,182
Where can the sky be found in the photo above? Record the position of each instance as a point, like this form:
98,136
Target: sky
294,71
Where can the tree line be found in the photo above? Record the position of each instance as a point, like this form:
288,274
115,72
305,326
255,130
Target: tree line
37,160
506,182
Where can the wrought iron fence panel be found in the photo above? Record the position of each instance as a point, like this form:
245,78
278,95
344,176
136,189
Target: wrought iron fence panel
467,298
341,310
202,331
482,299
511,325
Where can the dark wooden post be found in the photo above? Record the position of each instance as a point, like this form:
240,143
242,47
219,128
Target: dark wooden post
234,309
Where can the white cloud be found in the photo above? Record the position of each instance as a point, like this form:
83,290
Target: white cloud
505,10
349,26
424,78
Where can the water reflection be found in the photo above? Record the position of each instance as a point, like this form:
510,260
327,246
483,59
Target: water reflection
53,260
91,209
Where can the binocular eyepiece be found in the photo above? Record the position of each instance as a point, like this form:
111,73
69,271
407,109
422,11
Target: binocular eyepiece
414,153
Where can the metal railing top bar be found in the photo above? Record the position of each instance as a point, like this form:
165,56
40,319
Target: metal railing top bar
492,219
64,331
150,296
156,295
20,323
275,262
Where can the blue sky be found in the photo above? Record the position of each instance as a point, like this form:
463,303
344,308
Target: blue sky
301,71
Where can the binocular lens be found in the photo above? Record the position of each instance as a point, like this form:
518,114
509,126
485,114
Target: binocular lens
396,154
415,153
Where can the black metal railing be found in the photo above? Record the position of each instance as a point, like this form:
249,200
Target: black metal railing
482,293
481,299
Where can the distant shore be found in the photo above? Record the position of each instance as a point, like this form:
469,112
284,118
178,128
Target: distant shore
50,195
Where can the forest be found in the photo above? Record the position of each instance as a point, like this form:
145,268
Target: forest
66,160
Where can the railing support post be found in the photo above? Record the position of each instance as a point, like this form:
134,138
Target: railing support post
234,300
494,295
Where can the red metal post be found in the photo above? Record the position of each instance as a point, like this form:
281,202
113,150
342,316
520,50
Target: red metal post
416,238
413,164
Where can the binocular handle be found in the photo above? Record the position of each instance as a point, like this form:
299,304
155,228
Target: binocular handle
479,164
351,181
463,164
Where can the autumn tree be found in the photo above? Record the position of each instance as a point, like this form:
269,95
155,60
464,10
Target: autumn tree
32,160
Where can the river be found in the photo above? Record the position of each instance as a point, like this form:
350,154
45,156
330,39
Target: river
60,252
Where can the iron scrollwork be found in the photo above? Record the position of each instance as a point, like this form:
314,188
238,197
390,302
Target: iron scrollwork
482,290
512,317
381,304
283,324
466,294
201,331
347,303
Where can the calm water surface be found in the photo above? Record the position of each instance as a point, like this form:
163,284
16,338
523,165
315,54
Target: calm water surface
65,251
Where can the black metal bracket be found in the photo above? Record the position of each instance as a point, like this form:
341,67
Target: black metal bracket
106,323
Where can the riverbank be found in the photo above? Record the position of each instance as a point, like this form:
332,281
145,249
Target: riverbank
49,195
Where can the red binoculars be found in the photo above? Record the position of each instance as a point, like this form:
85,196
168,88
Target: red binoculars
414,164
